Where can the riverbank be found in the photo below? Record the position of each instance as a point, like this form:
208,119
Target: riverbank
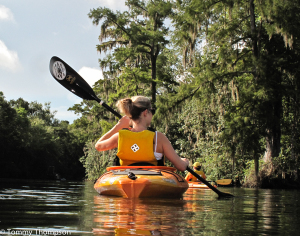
267,182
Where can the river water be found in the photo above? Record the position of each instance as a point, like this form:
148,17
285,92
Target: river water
75,208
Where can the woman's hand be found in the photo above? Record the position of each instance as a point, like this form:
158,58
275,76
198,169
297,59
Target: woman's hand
186,161
110,139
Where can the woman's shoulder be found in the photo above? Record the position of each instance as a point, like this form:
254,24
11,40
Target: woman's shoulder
159,133
161,136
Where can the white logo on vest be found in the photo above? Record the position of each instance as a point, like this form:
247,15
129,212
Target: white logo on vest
135,147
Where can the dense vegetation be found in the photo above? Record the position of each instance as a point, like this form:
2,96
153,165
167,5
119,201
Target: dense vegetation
35,145
224,78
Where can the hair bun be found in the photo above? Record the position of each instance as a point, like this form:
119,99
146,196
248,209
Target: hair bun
132,107
127,100
125,106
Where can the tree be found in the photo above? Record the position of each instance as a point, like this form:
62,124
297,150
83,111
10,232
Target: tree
136,37
36,145
244,68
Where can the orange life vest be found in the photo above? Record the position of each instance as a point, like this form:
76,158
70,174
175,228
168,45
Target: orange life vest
136,147
192,178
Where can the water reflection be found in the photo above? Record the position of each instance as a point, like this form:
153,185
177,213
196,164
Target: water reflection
40,206
120,216
252,212
77,208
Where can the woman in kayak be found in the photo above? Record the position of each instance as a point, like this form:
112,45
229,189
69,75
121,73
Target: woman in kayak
197,168
138,144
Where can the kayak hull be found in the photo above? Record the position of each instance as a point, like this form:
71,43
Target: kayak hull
224,182
141,182
199,185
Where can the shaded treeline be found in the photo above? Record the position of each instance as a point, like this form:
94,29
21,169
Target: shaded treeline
35,145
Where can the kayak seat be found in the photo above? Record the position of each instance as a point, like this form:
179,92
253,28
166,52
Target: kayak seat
161,162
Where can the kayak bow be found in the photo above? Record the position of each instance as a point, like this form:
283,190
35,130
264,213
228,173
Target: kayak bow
141,182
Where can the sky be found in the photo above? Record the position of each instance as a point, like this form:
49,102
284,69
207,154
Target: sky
32,32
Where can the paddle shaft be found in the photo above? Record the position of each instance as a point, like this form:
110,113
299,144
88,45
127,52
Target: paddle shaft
94,97
221,194
111,110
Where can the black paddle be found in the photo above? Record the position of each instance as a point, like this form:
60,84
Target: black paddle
221,194
72,81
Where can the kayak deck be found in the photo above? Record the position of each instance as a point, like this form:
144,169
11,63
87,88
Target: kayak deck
141,182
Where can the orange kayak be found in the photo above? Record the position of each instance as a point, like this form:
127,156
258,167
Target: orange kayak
224,182
199,185
141,182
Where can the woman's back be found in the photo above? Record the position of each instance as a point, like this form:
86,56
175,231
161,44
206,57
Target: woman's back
139,114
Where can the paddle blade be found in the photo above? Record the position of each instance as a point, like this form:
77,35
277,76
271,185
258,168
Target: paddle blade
71,80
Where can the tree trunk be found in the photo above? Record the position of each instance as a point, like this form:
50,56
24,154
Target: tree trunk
254,38
294,134
154,56
256,166
153,83
273,134
253,30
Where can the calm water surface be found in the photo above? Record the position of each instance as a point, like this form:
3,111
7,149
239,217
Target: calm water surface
75,208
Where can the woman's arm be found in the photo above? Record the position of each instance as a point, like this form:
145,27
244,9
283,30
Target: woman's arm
107,144
110,139
169,152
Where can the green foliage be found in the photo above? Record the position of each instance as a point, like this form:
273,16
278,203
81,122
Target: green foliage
224,78
135,38
196,137
225,88
95,163
36,145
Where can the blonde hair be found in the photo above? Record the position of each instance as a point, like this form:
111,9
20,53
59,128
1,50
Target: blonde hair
133,107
